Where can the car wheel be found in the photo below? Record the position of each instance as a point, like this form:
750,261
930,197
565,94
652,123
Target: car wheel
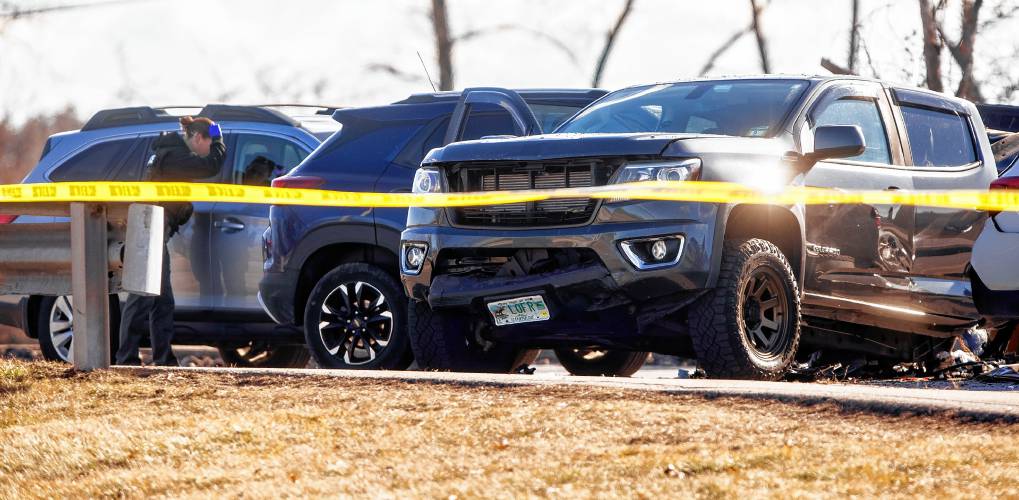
445,341
748,326
356,319
264,355
601,362
55,325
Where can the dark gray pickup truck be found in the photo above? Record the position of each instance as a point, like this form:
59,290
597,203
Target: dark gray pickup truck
739,287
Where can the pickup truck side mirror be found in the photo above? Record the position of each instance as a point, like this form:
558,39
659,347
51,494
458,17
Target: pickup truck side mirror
830,141
837,141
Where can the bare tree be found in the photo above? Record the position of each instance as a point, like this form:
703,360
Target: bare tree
610,41
443,44
931,43
709,64
762,46
854,37
962,51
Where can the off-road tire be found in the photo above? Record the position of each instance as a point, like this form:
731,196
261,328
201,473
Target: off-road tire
42,327
396,355
717,326
265,356
613,363
440,341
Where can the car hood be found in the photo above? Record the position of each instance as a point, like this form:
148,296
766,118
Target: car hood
551,146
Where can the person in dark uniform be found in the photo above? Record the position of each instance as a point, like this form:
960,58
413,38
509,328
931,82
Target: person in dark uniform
196,152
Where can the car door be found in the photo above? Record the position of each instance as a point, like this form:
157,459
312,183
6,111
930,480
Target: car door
943,148
858,257
480,112
235,265
189,255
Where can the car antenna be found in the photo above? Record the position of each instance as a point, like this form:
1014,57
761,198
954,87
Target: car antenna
423,65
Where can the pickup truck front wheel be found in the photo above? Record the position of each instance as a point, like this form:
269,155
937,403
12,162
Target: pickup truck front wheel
748,326
444,341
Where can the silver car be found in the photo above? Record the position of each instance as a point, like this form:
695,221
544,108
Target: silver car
216,262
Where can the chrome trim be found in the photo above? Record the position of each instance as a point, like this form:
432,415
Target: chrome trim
626,247
403,257
902,310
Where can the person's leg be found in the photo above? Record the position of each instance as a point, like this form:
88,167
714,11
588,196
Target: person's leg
161,320
133,323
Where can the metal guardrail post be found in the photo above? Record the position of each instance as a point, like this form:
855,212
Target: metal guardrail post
90,286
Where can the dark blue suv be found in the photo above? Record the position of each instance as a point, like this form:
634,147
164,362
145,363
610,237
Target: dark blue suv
335,271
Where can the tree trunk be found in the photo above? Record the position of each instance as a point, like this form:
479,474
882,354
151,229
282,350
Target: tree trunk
443,44
762,46
968,88
610,40
854,37
931,45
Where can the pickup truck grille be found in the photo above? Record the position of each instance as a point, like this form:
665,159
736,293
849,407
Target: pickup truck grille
516,176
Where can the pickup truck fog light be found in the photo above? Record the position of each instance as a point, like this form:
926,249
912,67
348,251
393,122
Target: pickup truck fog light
653,253
412,258
658,249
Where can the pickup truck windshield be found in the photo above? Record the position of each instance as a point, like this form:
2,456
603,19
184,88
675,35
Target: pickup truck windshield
747,108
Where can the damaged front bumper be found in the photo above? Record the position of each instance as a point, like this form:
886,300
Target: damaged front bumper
601,297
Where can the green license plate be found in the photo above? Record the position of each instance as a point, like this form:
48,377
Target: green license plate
519,310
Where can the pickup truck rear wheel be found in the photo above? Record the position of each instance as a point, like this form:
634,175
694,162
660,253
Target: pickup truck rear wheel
356,319
748,326
601,363
444,341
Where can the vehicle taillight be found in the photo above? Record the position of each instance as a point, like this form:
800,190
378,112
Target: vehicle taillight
298,181
1009,183
7,219
1006,183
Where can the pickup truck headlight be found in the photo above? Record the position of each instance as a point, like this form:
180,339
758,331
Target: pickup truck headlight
428,180
676,170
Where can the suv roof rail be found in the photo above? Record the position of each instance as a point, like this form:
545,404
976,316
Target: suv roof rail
109,118
143,115
1000,116
323,109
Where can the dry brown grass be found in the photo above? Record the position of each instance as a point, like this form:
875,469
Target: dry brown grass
196,435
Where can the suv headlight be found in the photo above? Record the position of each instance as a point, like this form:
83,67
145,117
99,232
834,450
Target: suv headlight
677,170
428,180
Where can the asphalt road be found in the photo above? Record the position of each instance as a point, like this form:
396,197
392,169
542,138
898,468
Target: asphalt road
1002,403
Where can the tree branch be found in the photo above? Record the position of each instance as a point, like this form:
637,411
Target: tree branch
610,40
830,65
762,46
726,45
502,28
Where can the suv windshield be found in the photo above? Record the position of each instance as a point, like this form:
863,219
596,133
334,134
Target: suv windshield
748,108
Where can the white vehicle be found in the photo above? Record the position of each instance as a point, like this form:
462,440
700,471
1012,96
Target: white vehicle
995,258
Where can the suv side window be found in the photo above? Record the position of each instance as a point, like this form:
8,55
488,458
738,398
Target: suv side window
938,138
258,159
135,161
485,123
865,113
94,163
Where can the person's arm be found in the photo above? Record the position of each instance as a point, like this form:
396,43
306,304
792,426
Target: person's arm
187,165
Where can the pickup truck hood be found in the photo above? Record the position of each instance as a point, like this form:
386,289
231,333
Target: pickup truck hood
552,146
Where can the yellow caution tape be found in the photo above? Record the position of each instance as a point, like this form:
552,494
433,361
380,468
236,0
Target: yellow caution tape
701,191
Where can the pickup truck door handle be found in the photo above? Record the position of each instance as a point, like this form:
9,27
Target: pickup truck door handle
893,188
229,225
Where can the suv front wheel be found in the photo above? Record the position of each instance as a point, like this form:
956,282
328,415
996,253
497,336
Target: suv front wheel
444,340
748,326
356,319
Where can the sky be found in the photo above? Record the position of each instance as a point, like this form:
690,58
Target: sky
191,52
